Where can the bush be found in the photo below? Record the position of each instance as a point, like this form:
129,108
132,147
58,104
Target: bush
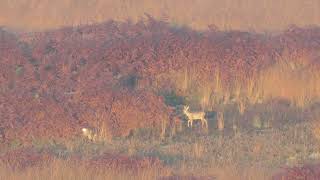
172,99
130,81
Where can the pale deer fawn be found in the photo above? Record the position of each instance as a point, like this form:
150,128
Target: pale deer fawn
195,116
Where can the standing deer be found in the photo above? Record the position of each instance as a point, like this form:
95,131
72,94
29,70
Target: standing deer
195,116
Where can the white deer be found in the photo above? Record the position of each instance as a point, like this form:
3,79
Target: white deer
195,116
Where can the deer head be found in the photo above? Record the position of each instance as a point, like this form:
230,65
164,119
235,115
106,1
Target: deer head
186,108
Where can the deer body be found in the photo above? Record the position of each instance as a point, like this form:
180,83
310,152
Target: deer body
195,116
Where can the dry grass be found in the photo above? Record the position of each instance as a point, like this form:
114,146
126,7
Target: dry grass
245,156
316,129
65,170
290,78
243,14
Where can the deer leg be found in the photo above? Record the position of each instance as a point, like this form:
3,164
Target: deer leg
202,123
206,123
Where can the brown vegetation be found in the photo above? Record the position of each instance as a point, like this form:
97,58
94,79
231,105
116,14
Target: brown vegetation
28,159
28,165
114,77
310,172
54,82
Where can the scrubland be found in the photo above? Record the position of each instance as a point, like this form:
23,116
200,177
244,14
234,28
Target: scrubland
128,82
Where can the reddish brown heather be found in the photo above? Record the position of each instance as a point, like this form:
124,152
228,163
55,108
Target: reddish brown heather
53,83
123,111
122,162
309,172
21,159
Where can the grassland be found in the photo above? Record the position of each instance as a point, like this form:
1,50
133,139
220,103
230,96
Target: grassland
247,155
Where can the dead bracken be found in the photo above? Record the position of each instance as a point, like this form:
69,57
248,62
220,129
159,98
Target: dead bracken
113,93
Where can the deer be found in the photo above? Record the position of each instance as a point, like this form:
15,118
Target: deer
195,116
89,133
